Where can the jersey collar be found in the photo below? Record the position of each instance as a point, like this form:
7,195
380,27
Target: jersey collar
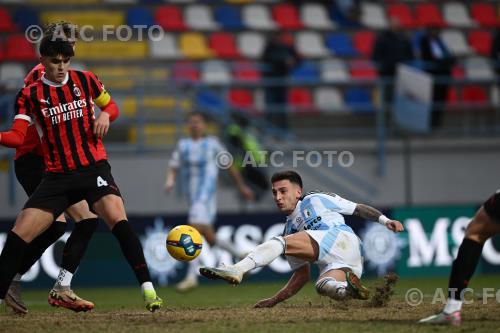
296,210
55,84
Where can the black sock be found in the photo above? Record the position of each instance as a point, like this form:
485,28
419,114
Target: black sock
38,246
132,250
77,244
10,260
463,267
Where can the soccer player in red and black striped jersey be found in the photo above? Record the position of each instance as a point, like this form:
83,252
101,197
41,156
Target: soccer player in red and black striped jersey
60,104
30,170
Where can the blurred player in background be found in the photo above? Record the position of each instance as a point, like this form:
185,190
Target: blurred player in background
195,158
315,232
75,159
30,170
484,225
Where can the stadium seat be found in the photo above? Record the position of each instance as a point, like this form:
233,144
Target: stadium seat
199,17
251,44
19,48
480,41
229,17
340,44
457,72
12,75
286,16
428,15
170,18
309,44
246,71
121,2
373,15
456,42
334,70
456,14
478,68
211,103
306,71
474,94
185,71
113,50
300,100
215,72
25,17
194,46
484,14
452,96
401,12
328,99
6,24
257,17
340,19
94,17
315,16
139,17
363,42
359,100
241,98
362,69
166,48
223,45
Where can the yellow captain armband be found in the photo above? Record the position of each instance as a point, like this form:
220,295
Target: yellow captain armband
103,99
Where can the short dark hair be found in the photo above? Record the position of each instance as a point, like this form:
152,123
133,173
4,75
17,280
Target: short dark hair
197,114
61,29
290,175
53,48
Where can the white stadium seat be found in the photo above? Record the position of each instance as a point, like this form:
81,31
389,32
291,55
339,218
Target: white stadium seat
215,72
310,45
456,42
334,70
166,48
199,17
315,16
12,75
478,68
373,15
456,14
329,99
251,44
258,17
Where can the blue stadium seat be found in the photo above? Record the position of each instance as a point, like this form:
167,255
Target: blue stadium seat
306,71
24,17
229,17
359,100
139,16
341,45
211,103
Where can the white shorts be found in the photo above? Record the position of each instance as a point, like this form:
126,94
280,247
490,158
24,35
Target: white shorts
202,212
338,247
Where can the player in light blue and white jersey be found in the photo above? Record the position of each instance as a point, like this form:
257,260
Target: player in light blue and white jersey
196,161
315,232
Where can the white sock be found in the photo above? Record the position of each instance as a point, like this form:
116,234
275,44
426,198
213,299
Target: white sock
193,268
332,288
262,255
1,301
147,286
18,277
452,305
64,278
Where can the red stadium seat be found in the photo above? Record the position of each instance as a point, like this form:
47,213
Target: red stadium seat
428,15
474,94
170,18
19,48
363,42
241,98
484,14
480,40
452,96
246,71
300,100
402,13
223,44
286,16
6,23
457,72
185,71
362,69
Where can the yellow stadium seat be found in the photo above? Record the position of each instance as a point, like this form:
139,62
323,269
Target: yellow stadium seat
111,50
119,77
95,18
163,134
129,106
194,46
64,2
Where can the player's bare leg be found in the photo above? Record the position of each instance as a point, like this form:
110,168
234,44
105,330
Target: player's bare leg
111,209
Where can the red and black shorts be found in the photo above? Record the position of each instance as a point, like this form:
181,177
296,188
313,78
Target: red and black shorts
30,170
492,206
58,191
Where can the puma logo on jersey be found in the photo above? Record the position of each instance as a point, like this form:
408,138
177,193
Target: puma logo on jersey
101,182
46,101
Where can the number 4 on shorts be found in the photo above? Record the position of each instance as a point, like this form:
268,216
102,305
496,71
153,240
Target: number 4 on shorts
101,182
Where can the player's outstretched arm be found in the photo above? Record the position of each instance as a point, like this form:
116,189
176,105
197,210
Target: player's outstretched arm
15,136
370,213
299,278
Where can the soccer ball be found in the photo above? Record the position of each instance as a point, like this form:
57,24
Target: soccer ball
184,243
